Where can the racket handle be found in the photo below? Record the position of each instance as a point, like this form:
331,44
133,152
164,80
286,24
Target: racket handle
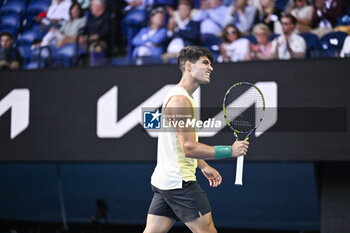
239,170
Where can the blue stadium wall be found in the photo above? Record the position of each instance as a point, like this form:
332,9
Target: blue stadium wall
274,195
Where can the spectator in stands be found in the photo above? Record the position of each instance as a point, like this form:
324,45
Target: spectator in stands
175,15
325,15
262,50
303,14
288,45
233,48
56,15
211,20
267,13
150,40
343,24
97,28
69,31
135,11
242,15
10,57
182,32
345,52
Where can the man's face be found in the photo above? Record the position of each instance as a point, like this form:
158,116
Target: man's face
214,3
265,3
95,7
157,19
6,42
241,3
287,26
184,11
201,70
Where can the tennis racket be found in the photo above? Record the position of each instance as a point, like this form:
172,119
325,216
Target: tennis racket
244,107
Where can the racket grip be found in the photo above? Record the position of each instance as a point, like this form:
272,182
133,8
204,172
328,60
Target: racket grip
239,170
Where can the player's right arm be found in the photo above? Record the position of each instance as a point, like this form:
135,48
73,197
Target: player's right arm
179,106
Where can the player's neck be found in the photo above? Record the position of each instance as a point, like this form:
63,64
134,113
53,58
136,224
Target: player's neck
188,84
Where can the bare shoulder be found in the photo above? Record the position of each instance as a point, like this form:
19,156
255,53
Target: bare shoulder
179,101
179,104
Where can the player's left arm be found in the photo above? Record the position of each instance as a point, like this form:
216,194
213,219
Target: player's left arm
210,173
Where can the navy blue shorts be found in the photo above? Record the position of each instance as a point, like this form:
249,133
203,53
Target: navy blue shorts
185,204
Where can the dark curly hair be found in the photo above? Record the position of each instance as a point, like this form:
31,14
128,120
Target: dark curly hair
192,53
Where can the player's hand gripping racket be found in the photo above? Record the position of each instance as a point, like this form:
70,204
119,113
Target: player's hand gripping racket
244,108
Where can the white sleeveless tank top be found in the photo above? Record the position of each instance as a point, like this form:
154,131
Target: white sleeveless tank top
172,166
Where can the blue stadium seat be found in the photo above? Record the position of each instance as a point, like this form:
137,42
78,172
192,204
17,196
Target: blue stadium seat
10,19
28,22
11,29
43,56
48,1
17,7
32,66
67,56
33,9
34,59
98,59
25,52
332,43
29,37
164,3
212,43
120,61
25,1
251,38
273,36
312,44
281,4
197,4
37,6
344,20
209,40
148,60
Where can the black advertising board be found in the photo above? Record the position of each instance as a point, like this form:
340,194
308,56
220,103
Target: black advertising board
96,114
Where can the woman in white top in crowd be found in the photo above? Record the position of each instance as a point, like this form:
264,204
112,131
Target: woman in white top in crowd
233,48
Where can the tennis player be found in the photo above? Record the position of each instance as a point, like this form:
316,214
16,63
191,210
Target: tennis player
177,195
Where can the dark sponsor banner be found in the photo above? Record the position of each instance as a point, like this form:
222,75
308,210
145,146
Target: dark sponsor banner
95,114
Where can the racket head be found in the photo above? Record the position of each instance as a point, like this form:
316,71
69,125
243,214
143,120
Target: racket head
244,108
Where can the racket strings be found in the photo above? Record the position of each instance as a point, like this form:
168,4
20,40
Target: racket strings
244,107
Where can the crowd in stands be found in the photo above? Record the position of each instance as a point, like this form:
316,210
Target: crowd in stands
65,33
